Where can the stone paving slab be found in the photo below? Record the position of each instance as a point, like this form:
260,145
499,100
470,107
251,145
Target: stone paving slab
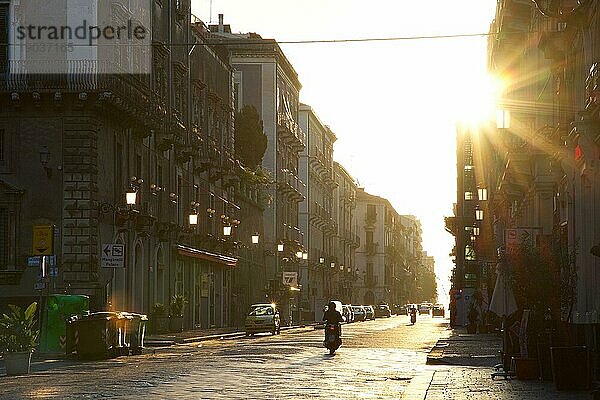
466,350
460,367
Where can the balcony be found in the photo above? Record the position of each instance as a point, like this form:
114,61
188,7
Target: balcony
371,248
451,224
319,216
289,131
290,185
592,90
90,81
370,219
318,162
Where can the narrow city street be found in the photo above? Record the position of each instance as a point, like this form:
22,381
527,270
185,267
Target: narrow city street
377,360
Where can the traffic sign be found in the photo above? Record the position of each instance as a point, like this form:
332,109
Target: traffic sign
113,255
290,279
42,240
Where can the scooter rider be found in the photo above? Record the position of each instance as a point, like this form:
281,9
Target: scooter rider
413,315
333,316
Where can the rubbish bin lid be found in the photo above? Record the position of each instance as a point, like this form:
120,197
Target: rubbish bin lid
102,315
135,315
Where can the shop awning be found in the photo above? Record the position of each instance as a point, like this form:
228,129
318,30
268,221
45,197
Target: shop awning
206,255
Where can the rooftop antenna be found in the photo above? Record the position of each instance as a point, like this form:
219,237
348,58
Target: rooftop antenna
210,11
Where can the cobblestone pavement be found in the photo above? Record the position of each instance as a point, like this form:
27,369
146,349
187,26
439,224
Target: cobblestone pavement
382,359
463,367
455,382
377,360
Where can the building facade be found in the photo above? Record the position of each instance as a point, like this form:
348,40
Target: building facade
316,211
76,144
266,80
380,266
343,274
531,177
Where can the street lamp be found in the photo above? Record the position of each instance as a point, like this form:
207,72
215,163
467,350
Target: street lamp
479,215
131,197
482,194
193,216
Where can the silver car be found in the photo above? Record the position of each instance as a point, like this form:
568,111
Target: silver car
359,313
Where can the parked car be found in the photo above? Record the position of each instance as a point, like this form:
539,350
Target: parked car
370,311
438,311
383,310
263,318
399,309
347,313
424,308
359,313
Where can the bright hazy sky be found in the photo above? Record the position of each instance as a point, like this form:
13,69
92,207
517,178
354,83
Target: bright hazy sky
393,105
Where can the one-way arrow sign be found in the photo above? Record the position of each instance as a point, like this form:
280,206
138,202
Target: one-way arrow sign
113,255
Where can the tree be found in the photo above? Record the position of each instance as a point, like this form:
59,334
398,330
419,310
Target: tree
250,140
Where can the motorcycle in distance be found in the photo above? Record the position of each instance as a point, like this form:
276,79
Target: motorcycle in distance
413,316
332,338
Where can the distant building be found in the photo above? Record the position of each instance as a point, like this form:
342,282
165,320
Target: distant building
379,266
265,79
411,239
428,262
346,240
316,218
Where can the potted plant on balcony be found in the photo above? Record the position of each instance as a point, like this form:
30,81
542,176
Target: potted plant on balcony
159,318
18,338
178,302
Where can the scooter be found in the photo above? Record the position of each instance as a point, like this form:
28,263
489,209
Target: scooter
413,317
332,338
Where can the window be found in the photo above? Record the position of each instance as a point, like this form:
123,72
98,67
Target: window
138,166
468,195
369,269
179,200
371,212
179,287
2,144
3,38
469,253
119,171
4,239
237,93
369,238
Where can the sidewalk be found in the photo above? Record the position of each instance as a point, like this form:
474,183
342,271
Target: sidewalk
461,367
199,335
